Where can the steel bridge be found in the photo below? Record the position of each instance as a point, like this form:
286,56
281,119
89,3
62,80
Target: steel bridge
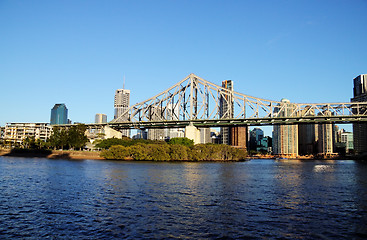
197,102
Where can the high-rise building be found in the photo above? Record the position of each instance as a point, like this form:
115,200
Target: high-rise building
59,114
172,114
205,135
285,137
155,114
326,137
347,138
307,135
256,135
360,129
226,111
235,136
100,118
122,103
239,136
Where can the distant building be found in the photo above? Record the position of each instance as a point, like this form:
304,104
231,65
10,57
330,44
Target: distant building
347,138
256,135
155,114
326,137
172,114
226,106
343,141
59,114
239,136
174,133
285,137
236,135
17,132
205,135
360,129
265,145
141,134
122,104
100,118
2,130
215,136
307,135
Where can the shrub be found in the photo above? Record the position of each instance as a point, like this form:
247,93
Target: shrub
116,152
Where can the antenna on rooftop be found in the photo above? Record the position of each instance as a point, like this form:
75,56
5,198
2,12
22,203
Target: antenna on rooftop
123,85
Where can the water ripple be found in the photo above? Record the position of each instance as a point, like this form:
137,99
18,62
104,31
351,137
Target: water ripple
45,199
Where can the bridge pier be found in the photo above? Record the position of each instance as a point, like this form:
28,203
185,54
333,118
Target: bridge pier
193,133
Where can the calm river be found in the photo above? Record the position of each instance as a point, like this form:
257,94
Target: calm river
259,199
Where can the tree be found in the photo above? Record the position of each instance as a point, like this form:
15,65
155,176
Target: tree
158,152
178,152
139,152
76,136
29,142
182,141
116,152
73,137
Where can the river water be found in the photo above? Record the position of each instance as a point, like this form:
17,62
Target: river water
258,199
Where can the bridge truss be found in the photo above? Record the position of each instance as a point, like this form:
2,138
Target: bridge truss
195,101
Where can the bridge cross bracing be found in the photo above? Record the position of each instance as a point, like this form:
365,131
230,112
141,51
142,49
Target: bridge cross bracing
198,102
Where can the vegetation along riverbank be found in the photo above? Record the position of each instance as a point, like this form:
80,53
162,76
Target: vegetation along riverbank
177,149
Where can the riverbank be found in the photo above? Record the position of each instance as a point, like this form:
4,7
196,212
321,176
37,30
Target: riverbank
52,154
81,155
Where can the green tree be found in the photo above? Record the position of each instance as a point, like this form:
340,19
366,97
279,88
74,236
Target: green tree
139,152
29,142
76,137
116,152
159,152
58,138
182,141
179,152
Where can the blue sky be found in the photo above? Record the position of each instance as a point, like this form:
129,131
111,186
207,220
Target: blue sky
77,52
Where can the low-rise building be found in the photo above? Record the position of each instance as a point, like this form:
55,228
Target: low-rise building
17,132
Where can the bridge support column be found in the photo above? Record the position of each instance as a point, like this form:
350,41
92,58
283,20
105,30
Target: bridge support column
193,133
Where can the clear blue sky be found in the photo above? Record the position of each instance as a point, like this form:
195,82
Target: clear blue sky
77,52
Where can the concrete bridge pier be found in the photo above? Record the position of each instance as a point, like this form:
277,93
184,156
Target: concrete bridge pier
193,133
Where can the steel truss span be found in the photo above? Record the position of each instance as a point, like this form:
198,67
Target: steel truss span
198,102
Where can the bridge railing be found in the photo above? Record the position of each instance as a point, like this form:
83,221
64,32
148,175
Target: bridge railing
194,98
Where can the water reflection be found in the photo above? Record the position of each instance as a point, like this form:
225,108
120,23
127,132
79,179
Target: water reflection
136,200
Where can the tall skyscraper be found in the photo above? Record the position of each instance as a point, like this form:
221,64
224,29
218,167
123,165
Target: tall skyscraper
285,137
101,118
235,136
226,111
307,135
59,114
155,114
326,137
360,129
122,103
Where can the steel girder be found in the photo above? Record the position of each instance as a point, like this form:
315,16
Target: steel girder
195,99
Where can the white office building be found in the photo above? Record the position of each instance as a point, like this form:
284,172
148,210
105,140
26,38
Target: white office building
122,103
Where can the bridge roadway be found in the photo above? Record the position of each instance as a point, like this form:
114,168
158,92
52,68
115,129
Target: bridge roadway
200,103
229,122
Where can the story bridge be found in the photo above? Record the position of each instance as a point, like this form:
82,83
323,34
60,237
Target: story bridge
197,102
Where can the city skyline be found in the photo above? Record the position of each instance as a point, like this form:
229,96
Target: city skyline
77,53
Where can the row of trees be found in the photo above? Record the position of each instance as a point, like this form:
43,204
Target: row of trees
127,142
71,138
176,150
